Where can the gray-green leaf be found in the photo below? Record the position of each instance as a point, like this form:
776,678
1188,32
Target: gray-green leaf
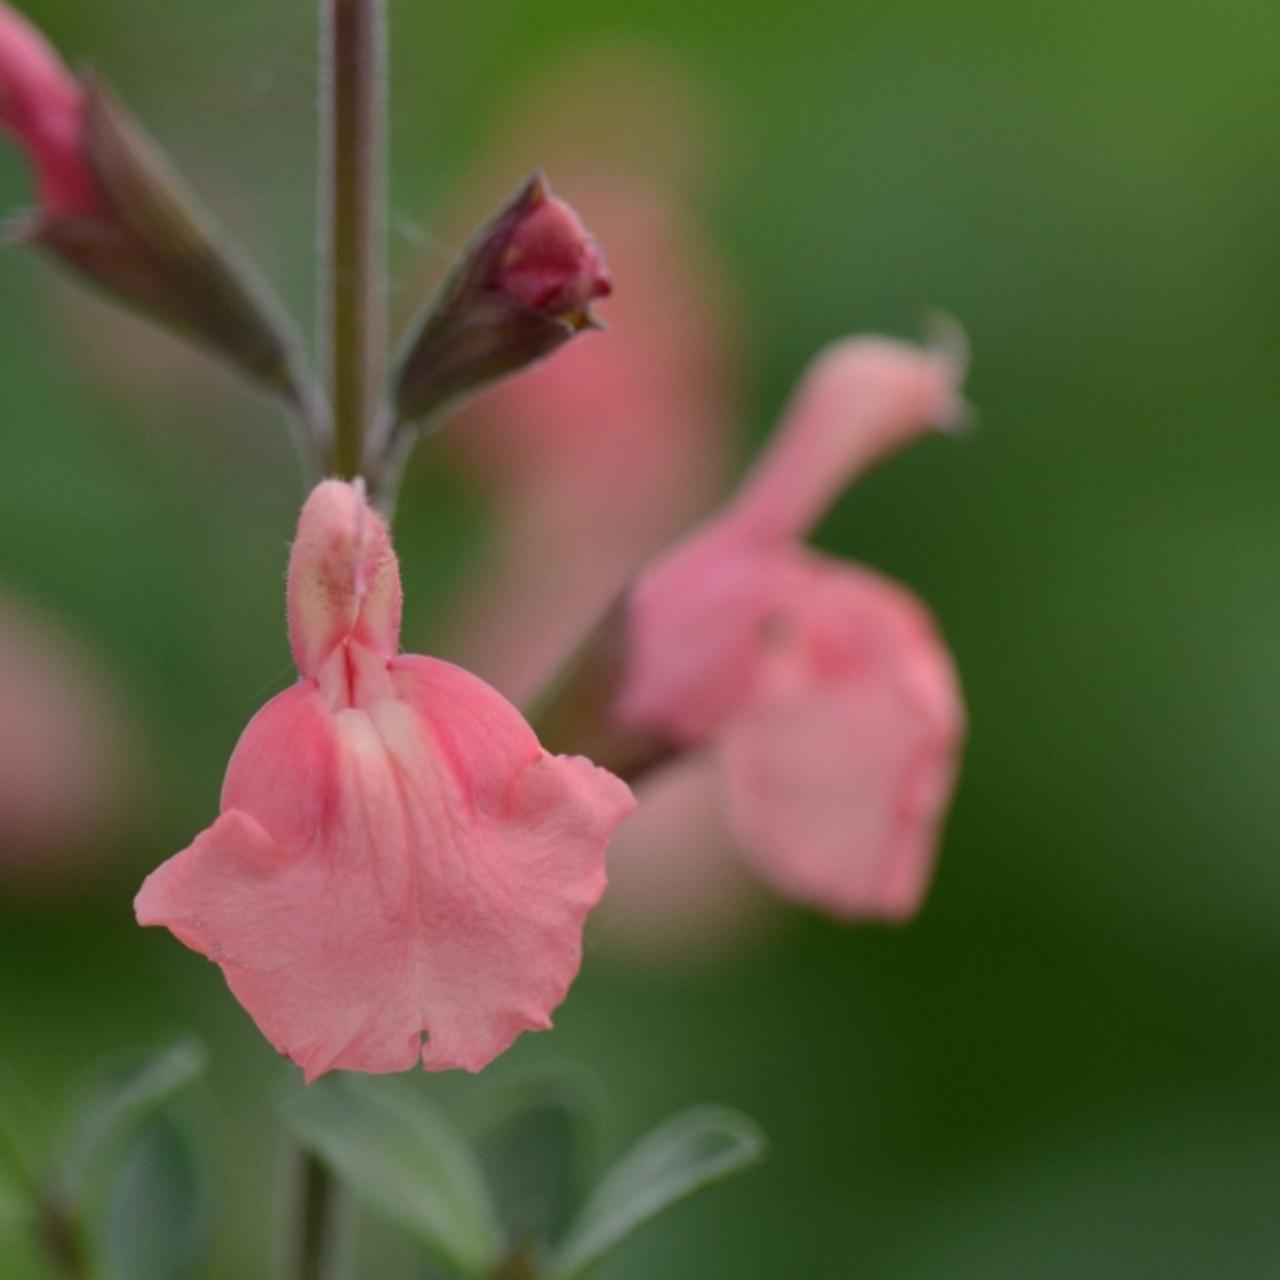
684,1154
121,1106
155,1222
402,1157
534,1136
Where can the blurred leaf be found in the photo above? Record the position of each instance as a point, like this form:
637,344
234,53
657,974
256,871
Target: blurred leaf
19,1257
18,1119
15,1212
15,1182
533,1137
123,1104
155,1221
404,1159
684,1154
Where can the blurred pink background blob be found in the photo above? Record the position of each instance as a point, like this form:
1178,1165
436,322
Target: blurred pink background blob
68,751
600,457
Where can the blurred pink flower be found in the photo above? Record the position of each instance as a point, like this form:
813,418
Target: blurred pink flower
825,689
42,107
68,751
679,891
395,852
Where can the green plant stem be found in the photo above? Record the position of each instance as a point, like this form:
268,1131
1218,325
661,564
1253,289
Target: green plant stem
319,1247
353,108
315,1192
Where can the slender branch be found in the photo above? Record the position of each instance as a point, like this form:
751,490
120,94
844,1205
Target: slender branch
572,714
320,1246
354,107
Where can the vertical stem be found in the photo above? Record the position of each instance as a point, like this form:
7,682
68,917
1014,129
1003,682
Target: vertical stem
354,107
322,1234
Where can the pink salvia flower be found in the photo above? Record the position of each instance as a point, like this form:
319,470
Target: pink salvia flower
831,700
42,107
551,263
396,854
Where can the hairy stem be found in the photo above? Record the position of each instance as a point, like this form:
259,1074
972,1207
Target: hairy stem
353,107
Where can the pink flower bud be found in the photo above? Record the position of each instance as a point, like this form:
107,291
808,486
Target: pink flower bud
831,702
396,854
42,107
550,263
519,291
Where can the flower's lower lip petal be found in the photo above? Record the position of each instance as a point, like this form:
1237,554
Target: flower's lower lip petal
839,774
505,899
443,889
831,816
283,767
292,945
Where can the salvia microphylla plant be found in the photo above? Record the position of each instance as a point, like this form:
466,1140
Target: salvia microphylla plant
402,864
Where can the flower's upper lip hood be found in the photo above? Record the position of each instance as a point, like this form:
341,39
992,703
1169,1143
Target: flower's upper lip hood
344,582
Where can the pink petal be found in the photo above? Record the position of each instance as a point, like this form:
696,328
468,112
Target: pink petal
697,615
42,106
839,771
696,622
859,400
344,582
419,865
551,263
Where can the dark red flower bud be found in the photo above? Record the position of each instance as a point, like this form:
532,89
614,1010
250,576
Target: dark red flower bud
522,288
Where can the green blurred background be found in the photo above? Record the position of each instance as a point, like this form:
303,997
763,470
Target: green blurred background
1067,1066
